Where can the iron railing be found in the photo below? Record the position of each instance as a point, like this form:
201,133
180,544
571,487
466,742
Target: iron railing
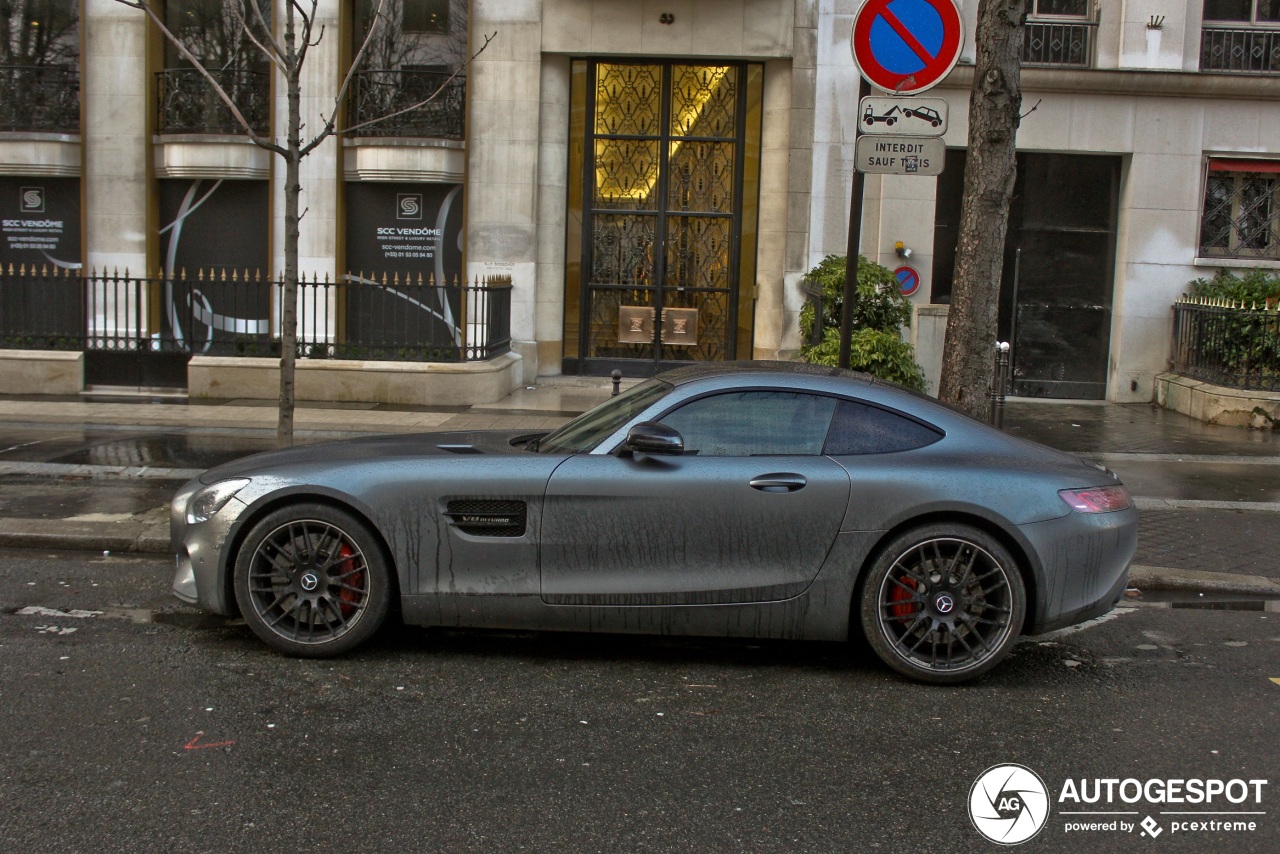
1240,50
189,104
1059,43
1227,343
378,93
40,98
236,313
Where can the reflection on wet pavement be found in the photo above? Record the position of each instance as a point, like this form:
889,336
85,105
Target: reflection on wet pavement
1130,428
24,497
102,447
1201,481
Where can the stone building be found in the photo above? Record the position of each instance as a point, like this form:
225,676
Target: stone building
612,157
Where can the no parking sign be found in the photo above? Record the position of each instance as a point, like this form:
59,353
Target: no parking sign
908,280
907,46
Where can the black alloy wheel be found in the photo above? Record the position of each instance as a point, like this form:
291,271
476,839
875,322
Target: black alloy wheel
311,581
943,603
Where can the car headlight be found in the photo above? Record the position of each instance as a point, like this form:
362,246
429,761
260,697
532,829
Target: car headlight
208,501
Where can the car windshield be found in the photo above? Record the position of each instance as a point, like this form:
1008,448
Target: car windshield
595,425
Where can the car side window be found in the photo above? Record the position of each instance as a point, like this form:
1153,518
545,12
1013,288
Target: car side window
754,423
859,428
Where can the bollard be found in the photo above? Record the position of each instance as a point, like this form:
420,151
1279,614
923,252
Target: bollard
999,385
616,376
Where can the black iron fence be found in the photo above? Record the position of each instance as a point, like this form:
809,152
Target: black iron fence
377,93
1059,43
189,104
1227,343
237,313
44,98
1241,50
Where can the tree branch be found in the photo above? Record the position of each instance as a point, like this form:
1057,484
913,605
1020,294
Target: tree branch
270,52
307,23
145,6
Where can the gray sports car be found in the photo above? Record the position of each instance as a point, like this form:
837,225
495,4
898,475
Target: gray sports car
759,499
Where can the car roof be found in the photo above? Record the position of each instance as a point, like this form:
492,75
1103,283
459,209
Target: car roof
704,370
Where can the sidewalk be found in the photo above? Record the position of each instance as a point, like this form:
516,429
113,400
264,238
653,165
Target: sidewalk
96,474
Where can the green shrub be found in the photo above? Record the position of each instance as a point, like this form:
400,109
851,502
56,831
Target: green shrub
1240,342
876,345
1255,286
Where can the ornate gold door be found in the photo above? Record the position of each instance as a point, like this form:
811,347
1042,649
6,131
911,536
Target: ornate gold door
664,176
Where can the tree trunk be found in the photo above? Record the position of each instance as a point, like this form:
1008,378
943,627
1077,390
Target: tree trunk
292,219
994,106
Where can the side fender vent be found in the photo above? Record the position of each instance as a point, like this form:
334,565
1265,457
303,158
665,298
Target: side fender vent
488,518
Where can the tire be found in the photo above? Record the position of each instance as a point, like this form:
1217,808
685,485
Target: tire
942,604
311,581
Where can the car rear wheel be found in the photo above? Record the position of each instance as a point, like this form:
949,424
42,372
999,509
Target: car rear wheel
311,581
943,603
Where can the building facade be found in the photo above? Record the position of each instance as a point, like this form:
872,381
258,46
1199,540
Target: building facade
654,178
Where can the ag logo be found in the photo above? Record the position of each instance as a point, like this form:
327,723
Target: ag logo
1009,804
408,206
32,199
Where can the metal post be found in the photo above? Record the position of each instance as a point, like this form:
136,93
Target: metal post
855,239
616,376
999,385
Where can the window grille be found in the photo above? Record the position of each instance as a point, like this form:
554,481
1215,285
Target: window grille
1241,212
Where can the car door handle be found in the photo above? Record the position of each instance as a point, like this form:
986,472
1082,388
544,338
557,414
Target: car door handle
779,482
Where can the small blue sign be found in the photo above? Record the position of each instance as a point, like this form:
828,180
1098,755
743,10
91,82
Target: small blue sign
908,280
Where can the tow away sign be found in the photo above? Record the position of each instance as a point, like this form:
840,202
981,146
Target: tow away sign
900,155
902,116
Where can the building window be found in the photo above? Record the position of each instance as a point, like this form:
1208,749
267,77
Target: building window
1241,215
1247,11
417,50
426,16
39,66
216,34
1241,36
1059,33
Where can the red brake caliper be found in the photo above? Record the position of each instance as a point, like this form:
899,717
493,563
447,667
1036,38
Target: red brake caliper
350,599
901,607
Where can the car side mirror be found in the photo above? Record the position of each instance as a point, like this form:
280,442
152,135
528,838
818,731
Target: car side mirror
650,437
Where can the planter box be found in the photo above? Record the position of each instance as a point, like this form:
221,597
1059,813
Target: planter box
1215,404
417,383
41,372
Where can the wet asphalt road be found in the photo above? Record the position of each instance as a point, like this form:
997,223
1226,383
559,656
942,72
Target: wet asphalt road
119,732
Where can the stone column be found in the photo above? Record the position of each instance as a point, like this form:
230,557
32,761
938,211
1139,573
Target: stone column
116,150
775,150
502,158
553,187
321,76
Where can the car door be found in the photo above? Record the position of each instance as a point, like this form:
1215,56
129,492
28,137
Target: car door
746,514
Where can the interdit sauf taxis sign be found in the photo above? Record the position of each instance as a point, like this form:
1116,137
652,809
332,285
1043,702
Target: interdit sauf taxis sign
1011,804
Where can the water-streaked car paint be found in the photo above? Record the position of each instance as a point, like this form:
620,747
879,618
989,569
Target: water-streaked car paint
610,538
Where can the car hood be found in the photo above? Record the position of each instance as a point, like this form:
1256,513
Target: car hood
475,442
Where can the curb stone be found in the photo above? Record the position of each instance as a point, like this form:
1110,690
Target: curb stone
1199,581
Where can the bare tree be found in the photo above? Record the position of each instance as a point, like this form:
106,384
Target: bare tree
288,55
994,105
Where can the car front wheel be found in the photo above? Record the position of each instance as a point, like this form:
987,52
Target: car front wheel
943,603
311,581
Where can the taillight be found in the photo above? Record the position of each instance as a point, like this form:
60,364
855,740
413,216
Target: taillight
1099,499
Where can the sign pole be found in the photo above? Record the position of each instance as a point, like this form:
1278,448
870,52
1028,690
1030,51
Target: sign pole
851,251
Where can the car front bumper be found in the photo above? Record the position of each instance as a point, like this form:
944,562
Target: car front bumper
200,577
